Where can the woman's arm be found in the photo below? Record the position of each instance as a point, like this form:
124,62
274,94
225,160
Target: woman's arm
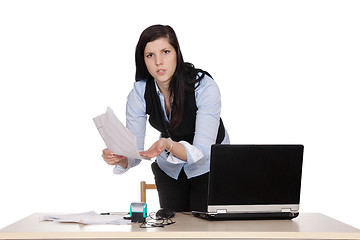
136,123
168,145
208,101
136,117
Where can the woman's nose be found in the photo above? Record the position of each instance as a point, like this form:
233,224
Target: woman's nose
159,60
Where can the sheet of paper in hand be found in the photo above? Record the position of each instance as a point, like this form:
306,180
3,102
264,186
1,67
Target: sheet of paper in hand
116,136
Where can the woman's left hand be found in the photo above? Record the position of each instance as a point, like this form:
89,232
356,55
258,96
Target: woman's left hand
156,149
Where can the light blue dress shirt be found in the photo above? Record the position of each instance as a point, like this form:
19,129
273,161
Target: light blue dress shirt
208,102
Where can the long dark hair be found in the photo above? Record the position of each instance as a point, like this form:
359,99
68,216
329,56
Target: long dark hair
185,75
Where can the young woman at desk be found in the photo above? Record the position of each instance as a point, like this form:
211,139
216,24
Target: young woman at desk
183,103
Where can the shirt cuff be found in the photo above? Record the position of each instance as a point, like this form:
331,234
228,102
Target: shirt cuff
120,170
193,154
174,160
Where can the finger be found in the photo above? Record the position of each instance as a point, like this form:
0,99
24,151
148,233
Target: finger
113,162
109,157
112,159
107,152
144,153
150,153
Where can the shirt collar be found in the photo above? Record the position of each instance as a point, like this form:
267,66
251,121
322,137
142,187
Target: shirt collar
157,88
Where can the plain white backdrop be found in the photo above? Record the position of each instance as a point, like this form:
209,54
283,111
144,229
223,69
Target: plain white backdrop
288,72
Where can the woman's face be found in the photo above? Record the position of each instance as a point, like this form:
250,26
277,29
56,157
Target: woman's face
160,59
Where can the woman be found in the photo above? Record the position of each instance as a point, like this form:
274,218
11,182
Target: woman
183,103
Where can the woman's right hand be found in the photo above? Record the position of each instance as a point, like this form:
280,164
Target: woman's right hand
113,159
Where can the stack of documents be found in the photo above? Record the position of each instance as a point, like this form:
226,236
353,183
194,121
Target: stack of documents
89,218
116,136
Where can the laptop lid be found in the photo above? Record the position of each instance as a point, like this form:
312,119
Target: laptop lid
255,178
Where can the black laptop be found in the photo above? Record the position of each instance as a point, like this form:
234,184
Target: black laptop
254,182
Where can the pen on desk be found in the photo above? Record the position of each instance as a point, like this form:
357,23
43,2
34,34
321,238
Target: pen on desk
111,213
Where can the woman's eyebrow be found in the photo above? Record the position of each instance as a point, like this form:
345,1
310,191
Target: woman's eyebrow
166,48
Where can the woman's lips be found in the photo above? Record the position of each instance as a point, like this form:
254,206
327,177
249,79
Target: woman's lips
161,71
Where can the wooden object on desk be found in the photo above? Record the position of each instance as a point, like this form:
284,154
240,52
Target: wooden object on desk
306,226
143,187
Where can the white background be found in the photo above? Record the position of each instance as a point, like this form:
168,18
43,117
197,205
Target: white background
287,71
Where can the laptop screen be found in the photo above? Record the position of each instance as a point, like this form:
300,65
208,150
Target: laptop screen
255,174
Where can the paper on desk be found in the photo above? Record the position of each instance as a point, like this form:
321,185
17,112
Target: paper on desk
88,218
116,136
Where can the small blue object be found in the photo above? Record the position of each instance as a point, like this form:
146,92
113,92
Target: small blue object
138,212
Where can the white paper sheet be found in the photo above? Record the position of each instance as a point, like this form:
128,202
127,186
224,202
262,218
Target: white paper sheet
116,136
89,218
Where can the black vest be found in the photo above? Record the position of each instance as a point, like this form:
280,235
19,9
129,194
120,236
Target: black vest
186,129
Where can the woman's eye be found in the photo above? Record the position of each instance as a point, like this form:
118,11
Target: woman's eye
166,51
149,55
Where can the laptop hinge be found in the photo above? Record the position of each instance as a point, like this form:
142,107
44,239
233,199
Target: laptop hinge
221,211
286,210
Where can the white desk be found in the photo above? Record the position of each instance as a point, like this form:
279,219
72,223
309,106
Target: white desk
306,226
